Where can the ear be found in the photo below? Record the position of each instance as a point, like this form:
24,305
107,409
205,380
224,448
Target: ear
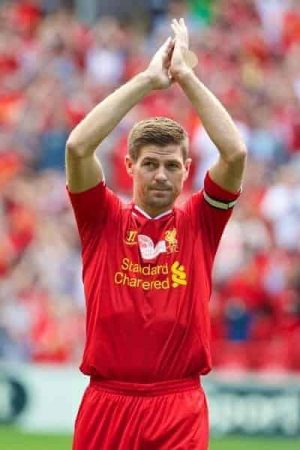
187,166
129,165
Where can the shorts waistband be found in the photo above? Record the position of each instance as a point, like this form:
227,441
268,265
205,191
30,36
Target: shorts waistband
146,389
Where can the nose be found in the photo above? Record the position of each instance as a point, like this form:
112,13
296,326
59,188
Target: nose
160,174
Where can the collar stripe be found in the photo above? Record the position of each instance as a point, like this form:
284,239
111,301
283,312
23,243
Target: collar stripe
149,217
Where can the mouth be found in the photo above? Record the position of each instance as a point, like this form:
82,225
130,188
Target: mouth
160,189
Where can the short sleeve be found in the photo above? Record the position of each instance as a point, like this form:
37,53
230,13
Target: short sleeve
210,210
93,208
217,197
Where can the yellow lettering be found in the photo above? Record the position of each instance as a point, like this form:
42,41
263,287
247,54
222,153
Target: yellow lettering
123,279
146,285
165,269
165,284
154,270
146,270
132,282
135,268
118,277
125,264
127,275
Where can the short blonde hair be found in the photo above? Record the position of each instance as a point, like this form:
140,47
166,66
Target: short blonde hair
159,131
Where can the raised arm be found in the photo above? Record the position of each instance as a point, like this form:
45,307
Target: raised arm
228,170
83,169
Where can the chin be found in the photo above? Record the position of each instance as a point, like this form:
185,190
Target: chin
166,203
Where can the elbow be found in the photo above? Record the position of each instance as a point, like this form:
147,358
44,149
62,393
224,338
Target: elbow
74,149
238,156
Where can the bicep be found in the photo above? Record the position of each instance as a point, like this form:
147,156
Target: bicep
82,173
228,175
208,220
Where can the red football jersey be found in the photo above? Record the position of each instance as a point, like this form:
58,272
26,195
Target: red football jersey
147,284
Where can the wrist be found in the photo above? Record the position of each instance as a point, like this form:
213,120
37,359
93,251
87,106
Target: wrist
183,74
147,79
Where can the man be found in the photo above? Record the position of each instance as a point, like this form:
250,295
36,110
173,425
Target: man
147,265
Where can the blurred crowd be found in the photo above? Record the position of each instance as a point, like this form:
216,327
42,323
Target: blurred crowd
53,70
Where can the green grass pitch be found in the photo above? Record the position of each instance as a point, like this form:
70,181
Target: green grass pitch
12,439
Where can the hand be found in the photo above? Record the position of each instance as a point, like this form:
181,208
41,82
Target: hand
178,64
158,69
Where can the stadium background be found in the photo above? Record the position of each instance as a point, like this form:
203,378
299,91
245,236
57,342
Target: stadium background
57,60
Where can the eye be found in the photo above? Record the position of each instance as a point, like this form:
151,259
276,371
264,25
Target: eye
173,166
149,164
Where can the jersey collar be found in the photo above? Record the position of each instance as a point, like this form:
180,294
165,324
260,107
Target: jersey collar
137,211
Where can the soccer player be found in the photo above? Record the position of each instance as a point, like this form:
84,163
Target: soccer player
147,265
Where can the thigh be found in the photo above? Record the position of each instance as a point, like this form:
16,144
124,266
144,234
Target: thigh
177,422
108,421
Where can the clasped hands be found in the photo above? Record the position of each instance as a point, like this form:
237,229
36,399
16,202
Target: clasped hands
173,59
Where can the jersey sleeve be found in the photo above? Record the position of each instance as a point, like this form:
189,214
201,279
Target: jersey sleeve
93,209
210,210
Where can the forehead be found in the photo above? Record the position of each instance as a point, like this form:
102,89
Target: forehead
166,152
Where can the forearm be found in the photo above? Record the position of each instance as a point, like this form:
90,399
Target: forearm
214,117
88,134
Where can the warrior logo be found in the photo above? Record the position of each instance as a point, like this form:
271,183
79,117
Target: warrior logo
131,237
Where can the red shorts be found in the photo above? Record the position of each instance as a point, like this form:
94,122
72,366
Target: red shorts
169,415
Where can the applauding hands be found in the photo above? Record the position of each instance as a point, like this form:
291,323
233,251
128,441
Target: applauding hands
172,59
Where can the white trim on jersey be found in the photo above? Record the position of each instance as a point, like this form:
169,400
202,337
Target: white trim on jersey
217,203
149,217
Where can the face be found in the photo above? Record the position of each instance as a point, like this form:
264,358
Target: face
158,177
